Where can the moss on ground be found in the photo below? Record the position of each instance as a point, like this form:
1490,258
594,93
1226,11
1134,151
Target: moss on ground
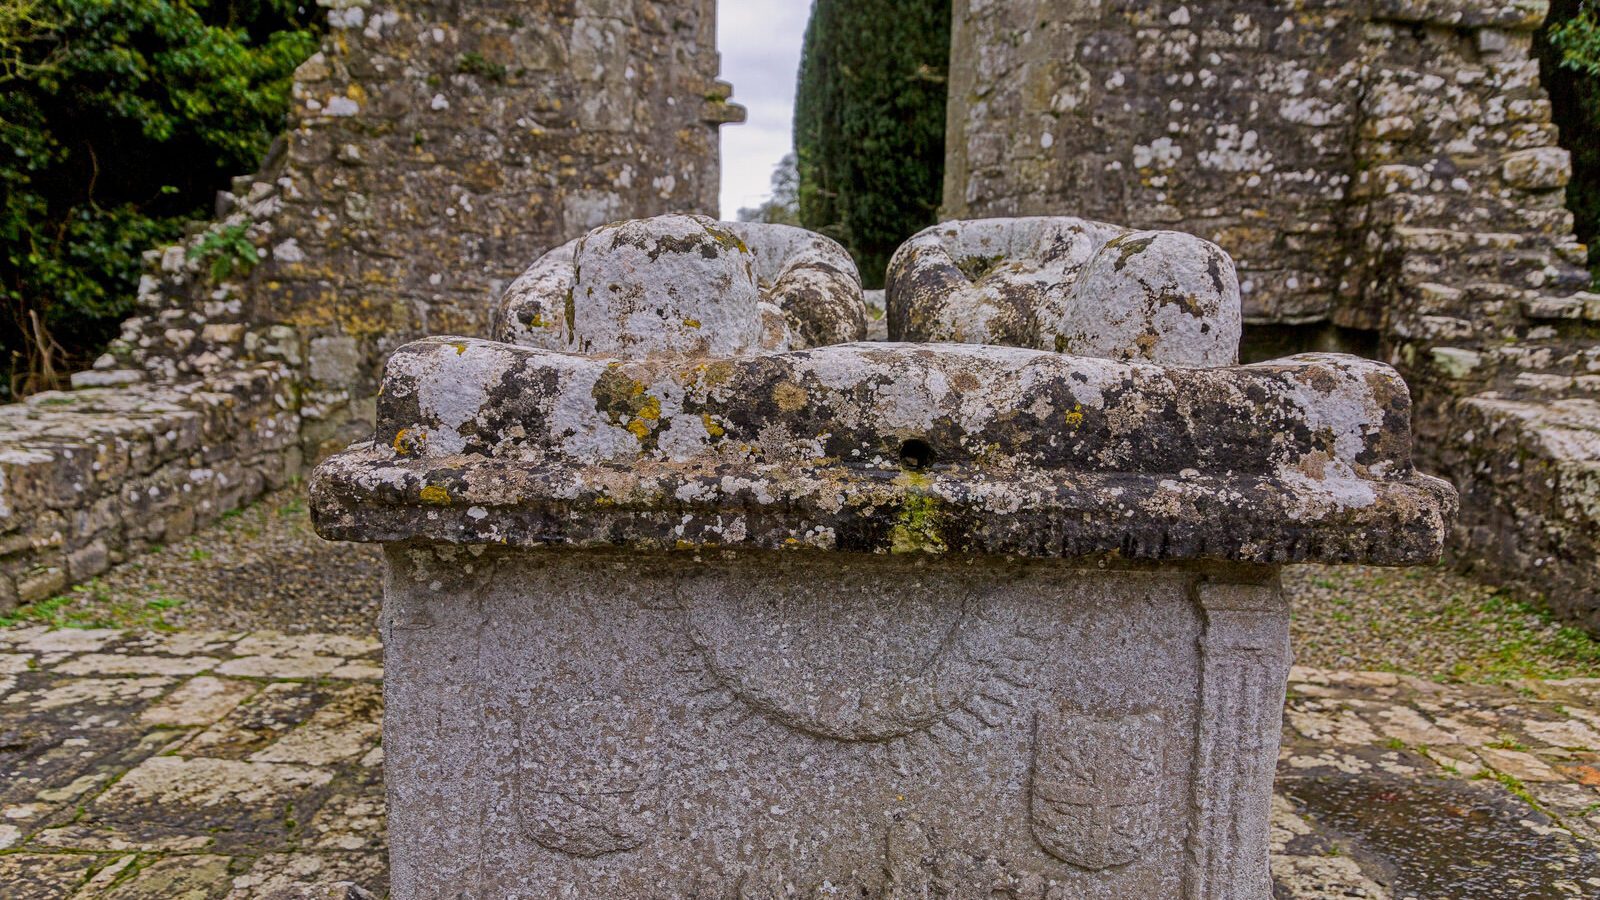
93,605
264,568
1429,622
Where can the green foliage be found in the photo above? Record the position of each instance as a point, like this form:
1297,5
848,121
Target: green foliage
92,605
1569,52
869,123
119,120
228,252
475,63
1578,38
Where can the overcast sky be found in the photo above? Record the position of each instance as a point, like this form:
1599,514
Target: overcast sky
760,43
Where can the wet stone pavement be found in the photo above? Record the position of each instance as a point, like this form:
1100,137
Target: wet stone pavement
188,765
247,765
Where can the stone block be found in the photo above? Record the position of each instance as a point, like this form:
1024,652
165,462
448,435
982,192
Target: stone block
1541,169
1069,285
335,360
686,284
907,620
42,583
88,561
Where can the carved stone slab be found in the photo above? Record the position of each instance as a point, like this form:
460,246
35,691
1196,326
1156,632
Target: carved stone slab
688,613
768,725
1068,285
686,285
884,447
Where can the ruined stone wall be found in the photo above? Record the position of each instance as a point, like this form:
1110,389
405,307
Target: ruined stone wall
1385,165
1230,120
434,149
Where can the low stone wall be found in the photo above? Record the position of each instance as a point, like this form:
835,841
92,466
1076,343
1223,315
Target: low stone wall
91,476
1531,504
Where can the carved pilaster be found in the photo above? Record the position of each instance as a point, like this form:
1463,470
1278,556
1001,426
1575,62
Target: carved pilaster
1244,672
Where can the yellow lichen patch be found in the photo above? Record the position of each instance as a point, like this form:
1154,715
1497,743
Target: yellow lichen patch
789,396
461,347
436,495
651,410
407,442
539,321
639,428
1075,418
691,323
356,325
711,426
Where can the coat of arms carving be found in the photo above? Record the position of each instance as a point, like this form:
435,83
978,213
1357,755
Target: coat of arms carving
1096,785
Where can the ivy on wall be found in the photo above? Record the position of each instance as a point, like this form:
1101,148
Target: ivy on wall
869,123
119,121
1569,55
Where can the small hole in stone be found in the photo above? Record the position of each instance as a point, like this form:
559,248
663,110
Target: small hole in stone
916,454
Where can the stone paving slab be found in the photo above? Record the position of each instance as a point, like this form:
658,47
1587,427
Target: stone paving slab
241,766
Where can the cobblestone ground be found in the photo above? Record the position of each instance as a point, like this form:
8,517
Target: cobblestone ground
238,765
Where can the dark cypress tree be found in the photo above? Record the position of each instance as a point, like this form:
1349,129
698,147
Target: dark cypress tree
1569,57
869,123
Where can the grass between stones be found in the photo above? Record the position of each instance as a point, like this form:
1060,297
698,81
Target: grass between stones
93,605
1429,622
263,567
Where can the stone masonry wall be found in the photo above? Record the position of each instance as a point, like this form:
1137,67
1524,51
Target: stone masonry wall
88,477
1387,165
434,149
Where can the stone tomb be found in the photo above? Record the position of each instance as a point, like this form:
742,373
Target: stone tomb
861,620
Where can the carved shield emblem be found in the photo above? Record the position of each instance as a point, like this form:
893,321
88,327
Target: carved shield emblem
1096,786
587,775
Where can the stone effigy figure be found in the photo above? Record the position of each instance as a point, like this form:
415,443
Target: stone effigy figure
687,599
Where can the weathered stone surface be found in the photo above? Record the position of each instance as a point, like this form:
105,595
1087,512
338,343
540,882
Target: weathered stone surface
243,802
432,148
200,701
938,448
899,620
1397,845
90,476
790,722
1295,134
686,285
1539,169
1074,286
811,279
1388,171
